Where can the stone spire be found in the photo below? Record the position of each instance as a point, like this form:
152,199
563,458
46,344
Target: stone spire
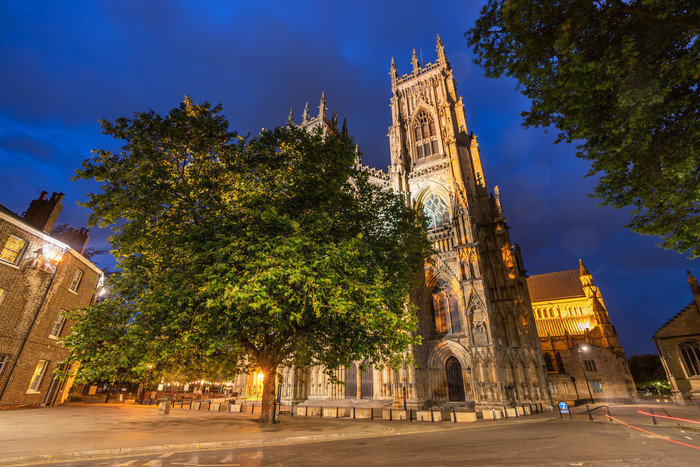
322,107
586,278
344,132
290,119
442,59
694,287
305,116
334,120
393,73
582,271
415,62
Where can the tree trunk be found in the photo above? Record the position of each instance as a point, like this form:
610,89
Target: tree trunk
268,396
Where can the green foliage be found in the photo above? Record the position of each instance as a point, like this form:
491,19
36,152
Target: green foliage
647,371
623,78
245,252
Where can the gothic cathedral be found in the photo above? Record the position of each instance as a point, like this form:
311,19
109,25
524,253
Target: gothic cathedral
479,341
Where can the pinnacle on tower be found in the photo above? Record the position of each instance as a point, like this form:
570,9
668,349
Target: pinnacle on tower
322,106
582,271
344,131
305,116
334,120
442,59
694,287
290,119
415,62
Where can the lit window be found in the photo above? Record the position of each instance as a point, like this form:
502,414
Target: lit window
12,251
691,357
436,211
596,387
446,310
75,283
57,326
424,135
3,362
37,377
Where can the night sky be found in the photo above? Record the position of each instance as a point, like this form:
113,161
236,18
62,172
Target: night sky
64,65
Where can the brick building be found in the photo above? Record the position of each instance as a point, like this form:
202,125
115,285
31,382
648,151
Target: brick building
582,352
678,344
41,277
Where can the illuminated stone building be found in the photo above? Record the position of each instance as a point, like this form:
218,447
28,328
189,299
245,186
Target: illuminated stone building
41,277
582,353
678,344
479,342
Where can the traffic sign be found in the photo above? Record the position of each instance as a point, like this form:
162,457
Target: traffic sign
563,407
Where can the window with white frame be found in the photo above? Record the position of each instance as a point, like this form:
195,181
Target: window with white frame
35,383
436,210
596,387
57,326
3,361
13,249
75,283
553,387
691,357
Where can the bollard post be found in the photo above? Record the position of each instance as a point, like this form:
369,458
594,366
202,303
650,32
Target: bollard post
588,409
454,415
505,411
320,412
353,413
292,408
410,412
607,410
336,411
493,411
653,419
431,415
371,413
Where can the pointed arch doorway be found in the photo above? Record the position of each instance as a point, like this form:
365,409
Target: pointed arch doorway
455,381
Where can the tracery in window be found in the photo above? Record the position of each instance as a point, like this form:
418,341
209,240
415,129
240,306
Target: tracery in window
424,135
436,210
446,310
691,356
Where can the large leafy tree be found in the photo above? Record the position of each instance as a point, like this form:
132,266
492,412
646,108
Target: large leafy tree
245,252
621,76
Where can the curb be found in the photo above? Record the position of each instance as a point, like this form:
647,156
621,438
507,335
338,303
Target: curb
114,452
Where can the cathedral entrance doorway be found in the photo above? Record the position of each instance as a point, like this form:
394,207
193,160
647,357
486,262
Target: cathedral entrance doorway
367,383
455,382
351,382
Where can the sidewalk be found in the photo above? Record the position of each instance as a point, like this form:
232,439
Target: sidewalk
90,430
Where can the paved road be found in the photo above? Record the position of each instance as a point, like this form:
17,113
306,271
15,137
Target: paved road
526,441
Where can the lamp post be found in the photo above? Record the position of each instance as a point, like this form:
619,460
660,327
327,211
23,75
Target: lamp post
579,348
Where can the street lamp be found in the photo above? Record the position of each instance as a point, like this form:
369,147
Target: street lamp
584,348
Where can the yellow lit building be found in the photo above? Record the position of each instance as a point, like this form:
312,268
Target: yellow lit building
582,353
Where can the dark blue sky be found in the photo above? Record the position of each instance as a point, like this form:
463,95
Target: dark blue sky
66,64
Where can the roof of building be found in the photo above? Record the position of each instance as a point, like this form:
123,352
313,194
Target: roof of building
555,285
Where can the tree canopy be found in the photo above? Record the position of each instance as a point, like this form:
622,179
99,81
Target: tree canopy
621,76
241,252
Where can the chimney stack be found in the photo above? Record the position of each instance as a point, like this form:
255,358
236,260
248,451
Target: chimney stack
76,239
42,212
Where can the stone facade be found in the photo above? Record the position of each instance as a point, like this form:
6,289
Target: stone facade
479,342
582,353
678,344
39,277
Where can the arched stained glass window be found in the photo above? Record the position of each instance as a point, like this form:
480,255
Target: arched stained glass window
436,210
691,356
446,310
425,135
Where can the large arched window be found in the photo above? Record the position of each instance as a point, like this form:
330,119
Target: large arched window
425,135
691,356
436,211
446,310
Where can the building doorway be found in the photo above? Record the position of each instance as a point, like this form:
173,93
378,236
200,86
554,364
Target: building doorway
351,382
455,382
367,382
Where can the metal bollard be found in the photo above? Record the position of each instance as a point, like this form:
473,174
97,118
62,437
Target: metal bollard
653,419
588,409
607,410
493,411
505,411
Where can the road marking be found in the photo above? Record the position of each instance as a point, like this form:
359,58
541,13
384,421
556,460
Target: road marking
168,454
124,464
153,462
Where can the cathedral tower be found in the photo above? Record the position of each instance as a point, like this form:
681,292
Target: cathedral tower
480,344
